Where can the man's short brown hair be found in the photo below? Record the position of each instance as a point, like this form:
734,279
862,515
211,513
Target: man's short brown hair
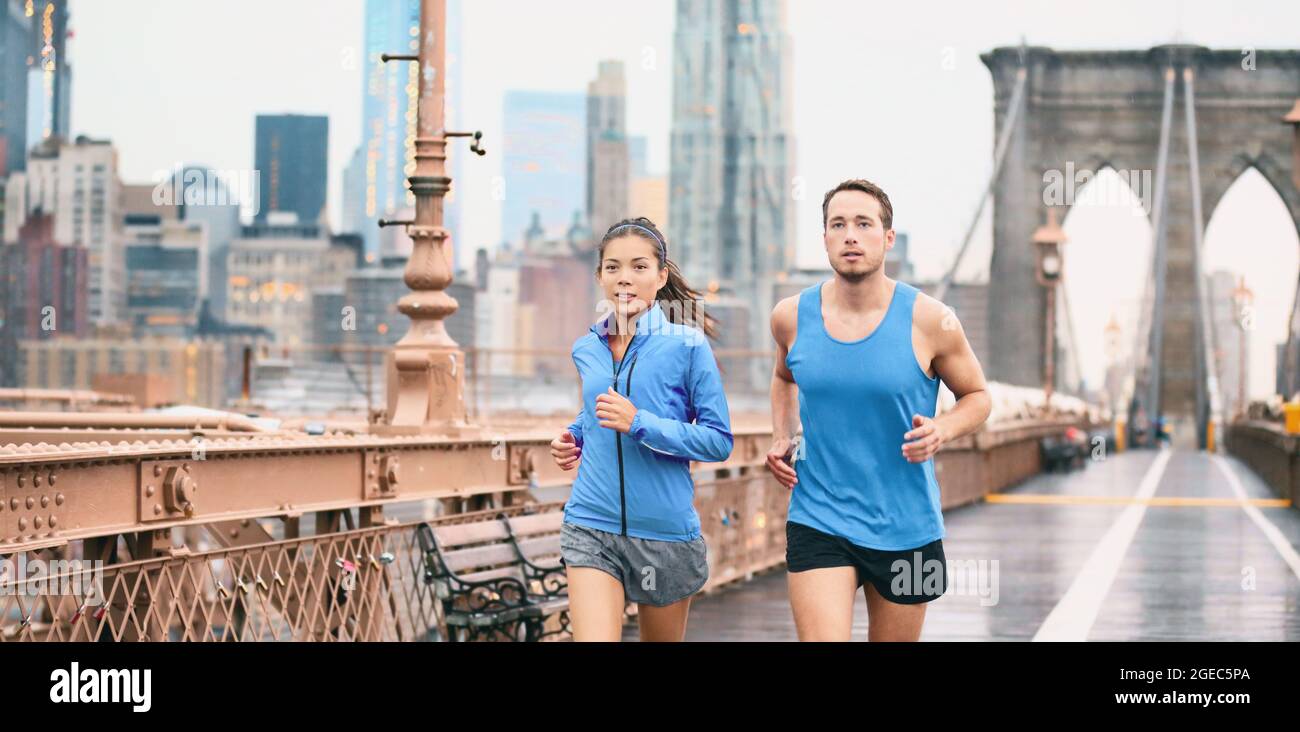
867,187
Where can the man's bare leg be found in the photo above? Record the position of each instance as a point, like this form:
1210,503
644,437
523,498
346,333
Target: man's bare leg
822,601
892,621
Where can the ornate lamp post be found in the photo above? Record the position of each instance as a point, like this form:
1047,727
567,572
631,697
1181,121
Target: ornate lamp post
1112,356
1243,297
1048,240
426,368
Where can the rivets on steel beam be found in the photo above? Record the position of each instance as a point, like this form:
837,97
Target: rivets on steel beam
58,499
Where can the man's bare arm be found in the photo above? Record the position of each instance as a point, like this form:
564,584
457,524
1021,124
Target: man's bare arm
785,395
956,365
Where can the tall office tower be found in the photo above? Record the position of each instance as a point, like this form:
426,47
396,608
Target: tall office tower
731,213
636,157
354,192
389,94
204,197
542,160
291,153
78,183
453,96
275,269
607,147
42,290
15,48
166,274
647,194
898,264
49,75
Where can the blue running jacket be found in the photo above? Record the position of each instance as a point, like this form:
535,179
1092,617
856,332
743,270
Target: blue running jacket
639,483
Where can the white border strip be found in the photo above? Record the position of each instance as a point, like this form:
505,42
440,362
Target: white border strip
1275,537
1074,614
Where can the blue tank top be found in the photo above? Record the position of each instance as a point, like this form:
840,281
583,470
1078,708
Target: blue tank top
856,401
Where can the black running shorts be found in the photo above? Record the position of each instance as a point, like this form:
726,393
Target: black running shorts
907,576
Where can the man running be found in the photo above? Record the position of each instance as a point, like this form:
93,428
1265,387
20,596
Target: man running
858,363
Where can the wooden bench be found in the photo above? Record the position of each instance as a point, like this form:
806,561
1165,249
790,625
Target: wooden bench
498,579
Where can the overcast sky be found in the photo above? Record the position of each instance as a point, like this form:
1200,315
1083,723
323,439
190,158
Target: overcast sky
181,80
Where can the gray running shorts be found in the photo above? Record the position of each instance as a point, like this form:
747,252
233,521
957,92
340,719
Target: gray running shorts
652,572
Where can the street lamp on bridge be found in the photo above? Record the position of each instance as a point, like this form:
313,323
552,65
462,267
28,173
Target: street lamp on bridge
1048,240
1293,118
1243,297
1112,359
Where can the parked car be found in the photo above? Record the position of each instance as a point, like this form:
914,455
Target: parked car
1066,451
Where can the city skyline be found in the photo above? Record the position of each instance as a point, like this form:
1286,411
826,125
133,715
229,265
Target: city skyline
927,60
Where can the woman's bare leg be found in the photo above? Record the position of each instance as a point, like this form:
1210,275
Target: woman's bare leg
663,624
595,605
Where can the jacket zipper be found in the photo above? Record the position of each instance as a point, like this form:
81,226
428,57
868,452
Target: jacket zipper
618,437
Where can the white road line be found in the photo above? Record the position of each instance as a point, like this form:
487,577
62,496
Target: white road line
1074,614
1275,536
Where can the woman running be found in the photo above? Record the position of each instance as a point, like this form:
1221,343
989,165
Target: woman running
652,402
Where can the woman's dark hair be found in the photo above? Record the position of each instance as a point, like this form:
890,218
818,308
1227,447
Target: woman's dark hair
686,305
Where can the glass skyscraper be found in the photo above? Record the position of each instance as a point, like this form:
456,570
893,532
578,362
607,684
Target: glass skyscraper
15,48
544,161
389,92
731,213
291,153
